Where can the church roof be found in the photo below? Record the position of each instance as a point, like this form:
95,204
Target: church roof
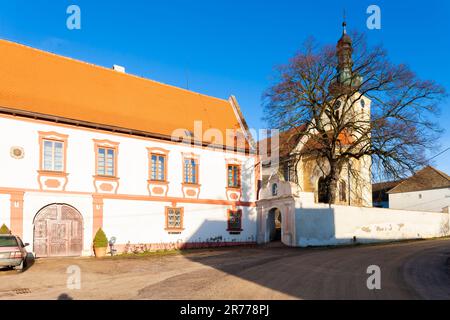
289,140
426,179
42,83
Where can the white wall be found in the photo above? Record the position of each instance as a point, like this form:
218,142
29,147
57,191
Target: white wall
429,200
132,161
321,225
129,220
144,222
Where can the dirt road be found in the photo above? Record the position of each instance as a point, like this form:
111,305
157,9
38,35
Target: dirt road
412,270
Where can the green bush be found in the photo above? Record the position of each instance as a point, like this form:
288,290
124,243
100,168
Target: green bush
4,230
100,240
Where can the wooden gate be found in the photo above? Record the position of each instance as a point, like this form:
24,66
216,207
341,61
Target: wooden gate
58,231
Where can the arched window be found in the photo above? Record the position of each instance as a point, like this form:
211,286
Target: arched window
342,191
337,108
274,190
322,188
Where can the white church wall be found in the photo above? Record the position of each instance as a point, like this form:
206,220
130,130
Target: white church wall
320,225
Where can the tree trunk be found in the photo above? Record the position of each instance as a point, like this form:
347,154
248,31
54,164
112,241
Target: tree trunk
333,179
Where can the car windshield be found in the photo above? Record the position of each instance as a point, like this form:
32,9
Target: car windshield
8,242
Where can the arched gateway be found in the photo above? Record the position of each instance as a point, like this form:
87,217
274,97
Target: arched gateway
58,231
276,212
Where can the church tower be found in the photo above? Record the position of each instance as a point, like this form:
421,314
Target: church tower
345,89
345,77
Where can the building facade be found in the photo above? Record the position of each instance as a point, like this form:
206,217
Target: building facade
427,190
84,147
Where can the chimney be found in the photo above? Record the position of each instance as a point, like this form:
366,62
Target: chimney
119,68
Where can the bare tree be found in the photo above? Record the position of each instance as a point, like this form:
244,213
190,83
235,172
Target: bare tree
321,93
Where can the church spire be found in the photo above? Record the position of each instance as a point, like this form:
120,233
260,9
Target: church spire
344,51
344,25
345,77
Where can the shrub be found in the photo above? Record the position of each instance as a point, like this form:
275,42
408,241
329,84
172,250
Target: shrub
4,229
100,240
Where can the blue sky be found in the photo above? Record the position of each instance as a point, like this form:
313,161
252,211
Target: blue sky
223,47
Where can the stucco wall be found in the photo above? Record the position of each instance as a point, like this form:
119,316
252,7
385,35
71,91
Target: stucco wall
321,225
132,161
429,200
144,222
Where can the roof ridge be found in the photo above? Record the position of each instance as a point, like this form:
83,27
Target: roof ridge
443,174
109,69
418,174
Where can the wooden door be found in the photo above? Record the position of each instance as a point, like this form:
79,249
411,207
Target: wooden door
58,231
58,238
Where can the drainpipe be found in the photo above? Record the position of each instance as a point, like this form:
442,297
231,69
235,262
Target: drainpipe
349,187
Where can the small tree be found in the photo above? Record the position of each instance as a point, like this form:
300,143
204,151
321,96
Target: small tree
321,88
100,239
4,229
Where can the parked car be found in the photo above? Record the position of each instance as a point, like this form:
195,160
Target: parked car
12,252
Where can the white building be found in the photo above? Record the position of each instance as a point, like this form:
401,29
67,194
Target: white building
85,147
427,190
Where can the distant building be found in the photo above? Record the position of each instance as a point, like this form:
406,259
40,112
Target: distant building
380,194
427,190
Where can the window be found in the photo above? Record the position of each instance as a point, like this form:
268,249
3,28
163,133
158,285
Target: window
190,171
53,155
158,167
274,190
342,191
234,220
106,158
174,218
234,176
337,105
286,172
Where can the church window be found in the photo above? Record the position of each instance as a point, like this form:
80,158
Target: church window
342,191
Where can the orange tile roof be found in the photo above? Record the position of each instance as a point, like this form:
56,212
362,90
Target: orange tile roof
288,141
40,82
